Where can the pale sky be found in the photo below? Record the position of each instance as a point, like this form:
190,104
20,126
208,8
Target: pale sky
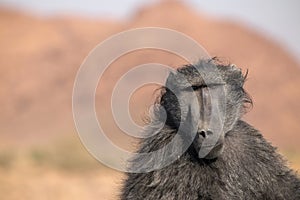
278,19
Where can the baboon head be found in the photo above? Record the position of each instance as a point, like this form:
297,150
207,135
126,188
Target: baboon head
211,97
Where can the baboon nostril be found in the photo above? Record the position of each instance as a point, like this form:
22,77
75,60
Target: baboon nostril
205,133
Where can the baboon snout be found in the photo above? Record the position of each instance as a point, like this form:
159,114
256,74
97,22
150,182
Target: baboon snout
204,134
207,140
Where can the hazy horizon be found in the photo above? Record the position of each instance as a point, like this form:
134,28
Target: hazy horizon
278,20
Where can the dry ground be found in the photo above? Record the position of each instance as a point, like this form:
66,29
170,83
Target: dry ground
63,170
59,171
48,184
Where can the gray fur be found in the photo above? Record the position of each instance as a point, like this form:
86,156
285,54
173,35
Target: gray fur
248,167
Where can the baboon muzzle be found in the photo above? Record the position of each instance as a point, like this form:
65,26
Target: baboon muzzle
208,143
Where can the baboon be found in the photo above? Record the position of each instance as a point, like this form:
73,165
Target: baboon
240,164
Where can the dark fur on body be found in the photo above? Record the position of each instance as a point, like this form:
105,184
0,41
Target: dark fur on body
248,168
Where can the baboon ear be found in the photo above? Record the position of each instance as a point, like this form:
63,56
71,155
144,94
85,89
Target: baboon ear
236,75
171,79
235,68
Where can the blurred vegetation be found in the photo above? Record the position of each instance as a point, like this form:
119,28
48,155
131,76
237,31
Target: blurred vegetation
7,158
66,154
59,169
293,159
69,155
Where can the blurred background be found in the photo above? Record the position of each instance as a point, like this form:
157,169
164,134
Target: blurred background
43,44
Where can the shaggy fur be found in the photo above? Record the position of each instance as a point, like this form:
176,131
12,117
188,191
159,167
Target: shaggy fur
248,168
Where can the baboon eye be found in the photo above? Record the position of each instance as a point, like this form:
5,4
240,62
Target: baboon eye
211,86
198,87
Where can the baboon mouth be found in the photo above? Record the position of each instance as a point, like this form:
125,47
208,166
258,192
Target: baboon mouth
212,146
214,151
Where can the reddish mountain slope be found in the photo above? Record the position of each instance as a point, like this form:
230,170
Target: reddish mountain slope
39,59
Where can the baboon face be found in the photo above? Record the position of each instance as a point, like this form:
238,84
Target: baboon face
215,97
